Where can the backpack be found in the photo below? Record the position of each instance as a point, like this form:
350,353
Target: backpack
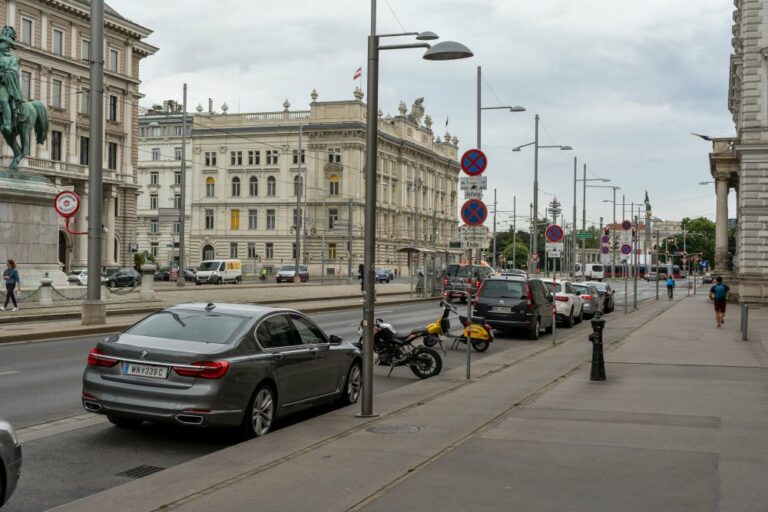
721,291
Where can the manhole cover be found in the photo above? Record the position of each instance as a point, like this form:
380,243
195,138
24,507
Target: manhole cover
140,471
395,429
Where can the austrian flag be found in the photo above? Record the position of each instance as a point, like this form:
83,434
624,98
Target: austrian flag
358,73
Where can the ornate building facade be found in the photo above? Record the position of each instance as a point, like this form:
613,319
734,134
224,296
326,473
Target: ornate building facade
53,49
247,171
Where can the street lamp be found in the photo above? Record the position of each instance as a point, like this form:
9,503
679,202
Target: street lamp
447,50
535,144
706,182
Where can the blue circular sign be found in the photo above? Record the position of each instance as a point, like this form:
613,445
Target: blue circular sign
474,162
626,225
554,233
474,212
626,249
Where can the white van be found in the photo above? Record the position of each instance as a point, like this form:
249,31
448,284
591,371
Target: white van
595,271
219,271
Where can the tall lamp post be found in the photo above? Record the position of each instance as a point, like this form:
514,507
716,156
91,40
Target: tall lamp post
447,50
537,147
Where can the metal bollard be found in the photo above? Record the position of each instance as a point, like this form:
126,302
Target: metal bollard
744,321
597,373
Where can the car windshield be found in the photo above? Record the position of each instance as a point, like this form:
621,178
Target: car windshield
287,268
554,287
76,272
189,326
597,268
209,265
502,289
600,286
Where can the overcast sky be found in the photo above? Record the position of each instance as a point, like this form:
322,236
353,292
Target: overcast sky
622,82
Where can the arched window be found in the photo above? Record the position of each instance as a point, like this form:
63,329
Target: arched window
208,252
298,185
253,186
210,187
271,186
235,187
333,185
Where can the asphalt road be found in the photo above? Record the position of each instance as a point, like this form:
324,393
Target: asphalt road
40,382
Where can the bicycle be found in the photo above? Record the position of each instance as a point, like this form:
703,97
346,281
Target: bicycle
670,292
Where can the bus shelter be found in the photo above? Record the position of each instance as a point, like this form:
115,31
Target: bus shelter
426,267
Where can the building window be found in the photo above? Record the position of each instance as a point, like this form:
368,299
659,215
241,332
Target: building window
333,185
155,154
177,201
84,150
333,217
253,219
154,226
177,154
210,159
331,251
112,156
176,228
298,185
117,207
154,249
270,219
272,156
114,60
26,84
234,219
85,101
153,202
179,131
209,218
112,108
85,50
55,145
58,42
296,156
210,187
269,250
235,187
253,186
252,250
177,178
56,93
293,251
297,218
271,186
154,178
254,157
26,31
233,250
334,155
235,158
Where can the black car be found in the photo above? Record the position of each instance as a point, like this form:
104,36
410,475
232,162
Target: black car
121,277
606,294
382,276
455,280
516,302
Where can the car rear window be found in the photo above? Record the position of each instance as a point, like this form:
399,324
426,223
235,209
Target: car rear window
581,288
189,326
554,287
496,289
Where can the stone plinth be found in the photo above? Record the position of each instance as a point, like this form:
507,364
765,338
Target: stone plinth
29,228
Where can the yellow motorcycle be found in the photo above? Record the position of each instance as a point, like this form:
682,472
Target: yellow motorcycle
478,330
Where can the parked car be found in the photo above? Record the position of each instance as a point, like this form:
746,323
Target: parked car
203,365
382,276
590,297
287,274
606,295
78,277
164,274
455,283
10,461
570,307
389,272
515,302
219,272
121,277
594,271
655,276
707,278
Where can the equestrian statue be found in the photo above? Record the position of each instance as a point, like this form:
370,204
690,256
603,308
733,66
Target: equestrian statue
19,116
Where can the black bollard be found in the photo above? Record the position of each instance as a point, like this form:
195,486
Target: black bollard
597,373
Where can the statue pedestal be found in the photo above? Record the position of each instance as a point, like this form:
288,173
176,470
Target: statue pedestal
29,228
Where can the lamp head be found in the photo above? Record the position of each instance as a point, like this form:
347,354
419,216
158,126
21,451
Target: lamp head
426,36
448,50
517,109
516,149
566,148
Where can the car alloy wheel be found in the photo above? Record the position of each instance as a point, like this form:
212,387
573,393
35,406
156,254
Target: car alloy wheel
262,411
354,384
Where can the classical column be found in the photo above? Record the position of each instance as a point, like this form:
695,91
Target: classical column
721,222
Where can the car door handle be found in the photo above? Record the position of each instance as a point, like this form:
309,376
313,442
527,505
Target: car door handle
278,356
314,351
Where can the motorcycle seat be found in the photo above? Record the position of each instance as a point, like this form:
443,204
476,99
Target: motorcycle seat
419,332
401,340
475,320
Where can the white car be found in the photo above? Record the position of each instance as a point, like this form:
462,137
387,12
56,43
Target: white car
79,277
570,307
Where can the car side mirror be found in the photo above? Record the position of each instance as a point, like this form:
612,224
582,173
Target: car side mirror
335,340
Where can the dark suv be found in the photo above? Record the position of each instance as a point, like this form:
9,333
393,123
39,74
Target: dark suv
455,283
122,277
515,302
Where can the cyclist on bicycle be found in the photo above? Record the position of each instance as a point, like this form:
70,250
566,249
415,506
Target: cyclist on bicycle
670,286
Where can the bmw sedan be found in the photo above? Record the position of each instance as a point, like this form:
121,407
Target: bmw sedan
10,461
233,365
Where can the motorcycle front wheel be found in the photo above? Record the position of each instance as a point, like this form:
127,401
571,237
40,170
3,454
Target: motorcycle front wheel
480,345
428,363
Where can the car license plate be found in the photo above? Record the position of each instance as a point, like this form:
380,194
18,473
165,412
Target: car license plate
501,309
145,370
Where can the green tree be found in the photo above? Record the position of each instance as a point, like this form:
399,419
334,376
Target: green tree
700,238
520,251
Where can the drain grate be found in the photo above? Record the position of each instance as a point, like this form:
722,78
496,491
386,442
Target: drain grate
140,471
395,429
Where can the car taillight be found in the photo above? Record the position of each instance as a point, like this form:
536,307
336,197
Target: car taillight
98,358
204,369
445,282
561,298
588,297
529,296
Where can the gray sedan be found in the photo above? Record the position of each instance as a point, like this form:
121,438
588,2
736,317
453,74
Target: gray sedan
590,297
219,365
10,461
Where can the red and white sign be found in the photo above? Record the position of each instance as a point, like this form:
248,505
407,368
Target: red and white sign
66,203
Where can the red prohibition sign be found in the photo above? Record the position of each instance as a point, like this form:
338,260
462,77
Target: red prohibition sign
473,162
474,212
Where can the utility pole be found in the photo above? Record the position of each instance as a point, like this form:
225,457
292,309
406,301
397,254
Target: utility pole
514,230
584,224
634,250
180,281
535,243
349,244
94,308
494,228
657,264
298,222
574,247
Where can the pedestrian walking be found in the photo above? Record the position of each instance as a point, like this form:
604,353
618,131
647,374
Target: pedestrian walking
719,293
12,282
361,276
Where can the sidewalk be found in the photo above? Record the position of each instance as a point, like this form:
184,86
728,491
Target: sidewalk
679,425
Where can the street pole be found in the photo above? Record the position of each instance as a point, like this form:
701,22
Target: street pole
657,264
324,221
470,280
349,244
514,230
180,281
494,227
584,224
573,234
634,251
94,308
298,222
535,242
613,238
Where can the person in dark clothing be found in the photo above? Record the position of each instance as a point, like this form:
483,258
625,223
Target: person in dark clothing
361,276
12,281
719,293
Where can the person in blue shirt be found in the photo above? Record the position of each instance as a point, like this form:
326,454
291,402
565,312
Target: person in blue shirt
719,293
11,278
670,286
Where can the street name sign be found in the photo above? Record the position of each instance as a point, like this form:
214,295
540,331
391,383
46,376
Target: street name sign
473,182
586,235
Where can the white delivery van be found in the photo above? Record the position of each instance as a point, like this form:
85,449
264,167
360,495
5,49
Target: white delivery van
594,271
219,271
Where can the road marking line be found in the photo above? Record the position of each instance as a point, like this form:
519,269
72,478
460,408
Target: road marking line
9,373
